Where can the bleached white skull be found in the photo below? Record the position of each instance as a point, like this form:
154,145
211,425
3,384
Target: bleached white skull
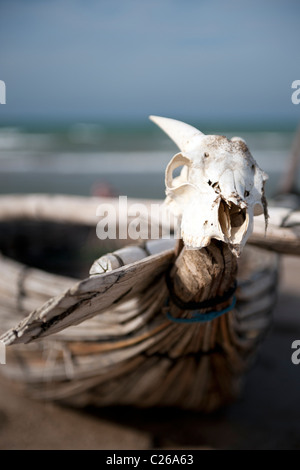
219,190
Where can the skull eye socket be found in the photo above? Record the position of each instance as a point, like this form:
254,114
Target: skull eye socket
177,171
179,175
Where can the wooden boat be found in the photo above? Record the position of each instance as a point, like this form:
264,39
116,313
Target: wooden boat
155,324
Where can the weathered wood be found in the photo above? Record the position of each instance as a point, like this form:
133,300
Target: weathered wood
88,298
129,254
107,340
194,268
131,354
60,208
283,232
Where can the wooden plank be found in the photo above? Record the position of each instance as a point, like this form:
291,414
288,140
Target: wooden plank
89,297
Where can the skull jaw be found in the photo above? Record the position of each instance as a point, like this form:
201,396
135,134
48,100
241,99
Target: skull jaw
224,221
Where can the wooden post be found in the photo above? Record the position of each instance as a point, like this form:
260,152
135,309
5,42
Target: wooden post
200,275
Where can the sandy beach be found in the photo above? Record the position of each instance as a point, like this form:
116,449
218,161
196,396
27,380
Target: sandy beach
267,415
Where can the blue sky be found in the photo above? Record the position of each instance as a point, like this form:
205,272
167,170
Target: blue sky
126,59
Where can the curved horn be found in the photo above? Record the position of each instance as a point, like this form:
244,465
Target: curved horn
182,134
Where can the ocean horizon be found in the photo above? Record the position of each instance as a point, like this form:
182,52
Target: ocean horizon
80,158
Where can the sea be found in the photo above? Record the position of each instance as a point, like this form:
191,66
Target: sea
91,158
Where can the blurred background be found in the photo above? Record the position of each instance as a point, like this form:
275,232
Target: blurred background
82,77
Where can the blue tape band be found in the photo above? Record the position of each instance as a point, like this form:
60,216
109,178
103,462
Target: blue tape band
198,317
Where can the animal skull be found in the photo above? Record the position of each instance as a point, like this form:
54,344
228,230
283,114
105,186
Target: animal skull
219,190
